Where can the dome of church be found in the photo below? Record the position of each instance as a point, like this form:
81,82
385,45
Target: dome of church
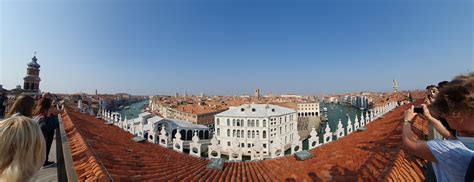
33,63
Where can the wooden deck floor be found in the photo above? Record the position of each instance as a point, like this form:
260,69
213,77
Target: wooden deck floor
49,173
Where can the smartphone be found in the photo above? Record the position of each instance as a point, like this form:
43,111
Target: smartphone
418,109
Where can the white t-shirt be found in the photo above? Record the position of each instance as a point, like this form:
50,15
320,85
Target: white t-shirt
453,159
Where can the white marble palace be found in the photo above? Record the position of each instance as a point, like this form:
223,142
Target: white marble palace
273,128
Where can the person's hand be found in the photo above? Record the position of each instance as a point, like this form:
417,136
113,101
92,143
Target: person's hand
410,114
426,111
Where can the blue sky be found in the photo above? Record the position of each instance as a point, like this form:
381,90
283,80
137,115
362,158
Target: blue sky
232,47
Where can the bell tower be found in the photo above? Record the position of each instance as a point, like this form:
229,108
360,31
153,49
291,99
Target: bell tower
257,93
395,86
32,79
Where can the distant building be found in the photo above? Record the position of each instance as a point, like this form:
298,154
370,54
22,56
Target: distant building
308,109
395,86
291,96
257,93
32,79
250,123
362,101
194,113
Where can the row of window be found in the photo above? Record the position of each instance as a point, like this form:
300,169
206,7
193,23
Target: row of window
241,122
249,145
308,109
306,114
307,105
256,122
241,133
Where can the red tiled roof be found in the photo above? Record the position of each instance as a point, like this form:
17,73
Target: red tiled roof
196,109
85,162
366,156
291,105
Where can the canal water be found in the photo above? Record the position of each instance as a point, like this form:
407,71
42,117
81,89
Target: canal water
132,110
342,112
334,113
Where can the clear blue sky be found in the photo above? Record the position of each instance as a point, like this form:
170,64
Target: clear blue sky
232,47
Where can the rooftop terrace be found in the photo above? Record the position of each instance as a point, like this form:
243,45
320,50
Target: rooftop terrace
104,152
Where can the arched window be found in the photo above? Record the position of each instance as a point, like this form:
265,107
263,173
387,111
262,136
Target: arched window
228,132
233,133
264,123
248,123
233,122
258,135
218,131
228,122
257,125
253,134
238,133
264,133
248,134
238,122
253,123
242,133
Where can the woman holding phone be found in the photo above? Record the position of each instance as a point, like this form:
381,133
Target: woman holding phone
451,158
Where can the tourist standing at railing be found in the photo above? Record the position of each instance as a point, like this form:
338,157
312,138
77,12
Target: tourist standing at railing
431,93
451,158
47,117
443,120
438,128
23,106
22,149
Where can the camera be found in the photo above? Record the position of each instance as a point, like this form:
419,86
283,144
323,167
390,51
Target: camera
418,109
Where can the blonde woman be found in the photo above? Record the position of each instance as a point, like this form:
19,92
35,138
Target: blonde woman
22,149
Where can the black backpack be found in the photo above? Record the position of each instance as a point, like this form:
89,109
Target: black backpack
47,123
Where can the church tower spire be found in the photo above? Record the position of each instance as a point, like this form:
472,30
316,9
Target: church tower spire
32,79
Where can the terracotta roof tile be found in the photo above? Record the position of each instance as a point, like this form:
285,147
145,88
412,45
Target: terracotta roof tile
101,150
